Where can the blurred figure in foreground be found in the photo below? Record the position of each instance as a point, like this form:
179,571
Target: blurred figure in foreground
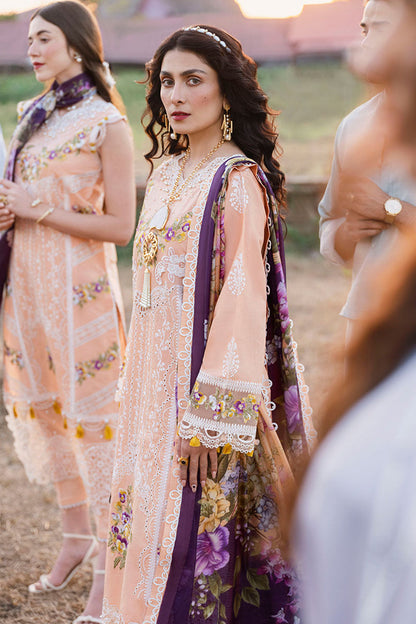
370,196
355,528
356,515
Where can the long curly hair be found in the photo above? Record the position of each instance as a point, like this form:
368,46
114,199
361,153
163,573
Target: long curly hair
254,129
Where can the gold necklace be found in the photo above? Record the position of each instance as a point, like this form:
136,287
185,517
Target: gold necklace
150,240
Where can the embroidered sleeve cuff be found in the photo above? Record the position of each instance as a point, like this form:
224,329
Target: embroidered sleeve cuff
222,412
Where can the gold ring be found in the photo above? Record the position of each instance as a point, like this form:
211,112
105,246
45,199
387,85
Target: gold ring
3,200
183,460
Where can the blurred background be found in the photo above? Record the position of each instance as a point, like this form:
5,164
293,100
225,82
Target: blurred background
299,47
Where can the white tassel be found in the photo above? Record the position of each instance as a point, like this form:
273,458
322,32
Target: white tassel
145,299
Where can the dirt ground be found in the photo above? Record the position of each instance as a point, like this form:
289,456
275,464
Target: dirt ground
29,517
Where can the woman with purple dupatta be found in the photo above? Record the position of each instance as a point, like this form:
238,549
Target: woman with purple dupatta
213,418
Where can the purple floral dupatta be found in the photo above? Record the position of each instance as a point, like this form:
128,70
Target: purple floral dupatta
58,96
216,577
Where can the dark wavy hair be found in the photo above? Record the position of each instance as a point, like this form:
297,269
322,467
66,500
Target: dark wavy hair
254,129
82,33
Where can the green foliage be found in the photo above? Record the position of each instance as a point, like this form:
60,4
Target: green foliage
251,596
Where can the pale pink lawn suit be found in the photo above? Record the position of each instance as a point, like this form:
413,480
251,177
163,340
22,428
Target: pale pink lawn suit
63,316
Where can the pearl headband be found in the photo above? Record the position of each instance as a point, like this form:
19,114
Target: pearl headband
204,31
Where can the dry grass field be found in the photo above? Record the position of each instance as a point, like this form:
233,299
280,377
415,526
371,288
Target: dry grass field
29,518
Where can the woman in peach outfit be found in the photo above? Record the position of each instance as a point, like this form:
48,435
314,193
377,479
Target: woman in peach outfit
200,470
70,186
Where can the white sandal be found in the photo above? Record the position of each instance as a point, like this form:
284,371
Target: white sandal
84,619
47,586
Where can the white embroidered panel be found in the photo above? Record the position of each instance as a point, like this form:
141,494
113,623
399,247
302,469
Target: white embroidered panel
236,279
238,195
231,362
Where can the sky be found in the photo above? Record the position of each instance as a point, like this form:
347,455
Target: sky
250,8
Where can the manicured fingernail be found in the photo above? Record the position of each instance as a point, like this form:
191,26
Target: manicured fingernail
214,474
193,488
202,483
183,483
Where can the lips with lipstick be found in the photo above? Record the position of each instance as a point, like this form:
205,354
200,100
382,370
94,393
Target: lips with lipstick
37,66
179,115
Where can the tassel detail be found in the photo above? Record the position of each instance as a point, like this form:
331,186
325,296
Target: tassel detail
108,432
57,408
15,414
65,424
31,412
226,449
194,442
79,432
145,299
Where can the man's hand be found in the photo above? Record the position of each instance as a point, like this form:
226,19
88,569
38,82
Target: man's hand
362,196
354,229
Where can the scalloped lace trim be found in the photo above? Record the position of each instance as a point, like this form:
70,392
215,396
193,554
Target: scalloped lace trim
213,433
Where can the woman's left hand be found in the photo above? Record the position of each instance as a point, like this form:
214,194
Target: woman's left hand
197,462
16,199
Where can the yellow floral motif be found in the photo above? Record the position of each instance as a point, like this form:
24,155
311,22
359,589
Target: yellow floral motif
214,506
225,405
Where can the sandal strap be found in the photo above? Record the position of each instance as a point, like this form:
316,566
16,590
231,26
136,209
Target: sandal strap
79,535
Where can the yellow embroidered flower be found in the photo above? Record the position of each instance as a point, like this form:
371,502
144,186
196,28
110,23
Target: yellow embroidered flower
252,398
231,412
214,506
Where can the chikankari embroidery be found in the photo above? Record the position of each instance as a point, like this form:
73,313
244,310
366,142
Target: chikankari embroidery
89,368
16,357
120,533
82,293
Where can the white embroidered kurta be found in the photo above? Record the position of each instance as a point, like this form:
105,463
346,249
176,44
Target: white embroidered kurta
155,385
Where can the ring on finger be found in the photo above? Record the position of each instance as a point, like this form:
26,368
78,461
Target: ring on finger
3,200
183,460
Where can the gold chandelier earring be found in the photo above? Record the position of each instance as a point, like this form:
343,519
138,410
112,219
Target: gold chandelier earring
227,124
169,130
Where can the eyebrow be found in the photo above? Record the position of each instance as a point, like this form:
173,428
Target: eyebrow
187,72
40,32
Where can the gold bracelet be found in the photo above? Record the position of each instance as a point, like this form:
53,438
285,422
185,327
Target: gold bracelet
46,213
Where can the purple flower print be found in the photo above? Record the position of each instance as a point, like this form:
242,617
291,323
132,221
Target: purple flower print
292,405
52,155
98,288
123,497
169,234
266,510
283,307
125,517
114,529
185,227
122,540
98,365
240,406
211,553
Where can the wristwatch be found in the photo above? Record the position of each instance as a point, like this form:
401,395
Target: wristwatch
392,207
